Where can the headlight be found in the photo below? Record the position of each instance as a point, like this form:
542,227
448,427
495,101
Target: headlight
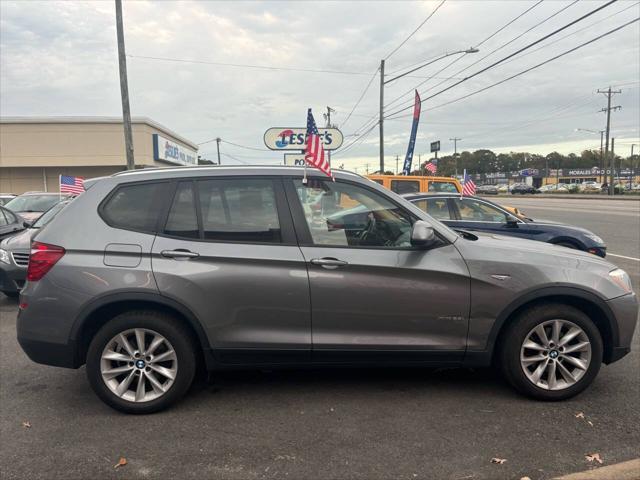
595,238
4,256
621,279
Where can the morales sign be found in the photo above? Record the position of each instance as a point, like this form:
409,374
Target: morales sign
296,138
165,150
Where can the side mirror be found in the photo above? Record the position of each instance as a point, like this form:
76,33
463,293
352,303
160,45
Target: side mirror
26,224
422,234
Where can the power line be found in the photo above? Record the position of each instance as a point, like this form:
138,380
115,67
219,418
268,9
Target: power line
572,33
259,67
361,97
460,58
530,68
418,28
526,47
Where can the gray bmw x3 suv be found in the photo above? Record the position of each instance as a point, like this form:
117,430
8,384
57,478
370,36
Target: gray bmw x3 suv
150,272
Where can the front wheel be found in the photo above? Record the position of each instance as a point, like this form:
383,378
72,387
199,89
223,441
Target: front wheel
551,352
141,362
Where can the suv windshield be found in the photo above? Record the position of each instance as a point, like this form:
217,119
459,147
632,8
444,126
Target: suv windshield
48,215
33,203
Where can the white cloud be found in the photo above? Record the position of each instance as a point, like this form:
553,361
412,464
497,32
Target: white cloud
60,58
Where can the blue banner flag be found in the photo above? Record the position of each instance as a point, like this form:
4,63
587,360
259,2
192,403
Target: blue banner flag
412,140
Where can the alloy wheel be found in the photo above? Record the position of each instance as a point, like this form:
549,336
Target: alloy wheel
139,365
555,354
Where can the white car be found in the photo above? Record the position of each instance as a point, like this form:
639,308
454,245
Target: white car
552,187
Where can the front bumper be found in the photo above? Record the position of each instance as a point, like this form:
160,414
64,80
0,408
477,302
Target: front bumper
625,312
12,278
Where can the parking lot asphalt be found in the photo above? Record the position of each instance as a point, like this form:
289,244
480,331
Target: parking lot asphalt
373,423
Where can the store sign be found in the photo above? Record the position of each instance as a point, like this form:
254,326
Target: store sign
296,138
435,146
165,150
529,172
294,159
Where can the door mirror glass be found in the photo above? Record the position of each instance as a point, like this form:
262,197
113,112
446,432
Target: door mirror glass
422,234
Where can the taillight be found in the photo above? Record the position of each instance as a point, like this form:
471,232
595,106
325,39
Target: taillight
43,257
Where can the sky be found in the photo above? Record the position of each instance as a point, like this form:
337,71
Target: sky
60,59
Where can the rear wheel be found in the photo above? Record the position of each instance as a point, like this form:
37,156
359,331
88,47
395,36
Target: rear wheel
141,362
551,352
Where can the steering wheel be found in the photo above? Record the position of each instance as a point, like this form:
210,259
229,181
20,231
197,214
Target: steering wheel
369,229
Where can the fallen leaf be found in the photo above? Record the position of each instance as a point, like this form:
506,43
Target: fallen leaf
579,415
121,463
525,478
590,422
499,461
26,424
591,457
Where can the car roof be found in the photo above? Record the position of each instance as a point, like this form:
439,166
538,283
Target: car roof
239,170
27,194
413,196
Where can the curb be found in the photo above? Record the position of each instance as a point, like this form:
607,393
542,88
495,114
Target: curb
620,471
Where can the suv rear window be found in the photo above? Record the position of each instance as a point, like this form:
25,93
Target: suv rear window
405,186
135,207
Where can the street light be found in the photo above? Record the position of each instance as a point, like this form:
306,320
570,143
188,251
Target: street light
383,83
601,146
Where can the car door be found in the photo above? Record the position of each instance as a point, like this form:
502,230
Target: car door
373,295
9,223
228,252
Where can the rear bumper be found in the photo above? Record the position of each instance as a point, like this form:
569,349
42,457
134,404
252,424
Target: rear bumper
47,353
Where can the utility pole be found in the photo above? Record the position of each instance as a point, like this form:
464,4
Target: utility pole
367,169
381,122
124,89
218,148
328,116
455,141
613,167
609,93
397,159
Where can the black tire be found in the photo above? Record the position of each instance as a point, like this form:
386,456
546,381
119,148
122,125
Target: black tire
515,335
167,326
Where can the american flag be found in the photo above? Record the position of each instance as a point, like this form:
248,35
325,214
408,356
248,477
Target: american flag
314,153
430,167
73,185
468,186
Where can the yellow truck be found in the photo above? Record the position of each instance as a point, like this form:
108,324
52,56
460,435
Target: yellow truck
402,184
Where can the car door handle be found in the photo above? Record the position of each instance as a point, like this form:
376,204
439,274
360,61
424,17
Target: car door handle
329,263
179,253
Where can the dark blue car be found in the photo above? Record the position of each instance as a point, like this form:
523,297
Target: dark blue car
478,214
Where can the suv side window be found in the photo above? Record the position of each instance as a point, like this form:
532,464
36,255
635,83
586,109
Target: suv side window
135,207
239,210
447,187
182,220
405,186
372,221
3,221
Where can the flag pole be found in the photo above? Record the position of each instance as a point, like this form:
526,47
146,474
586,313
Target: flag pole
464,180
60,187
